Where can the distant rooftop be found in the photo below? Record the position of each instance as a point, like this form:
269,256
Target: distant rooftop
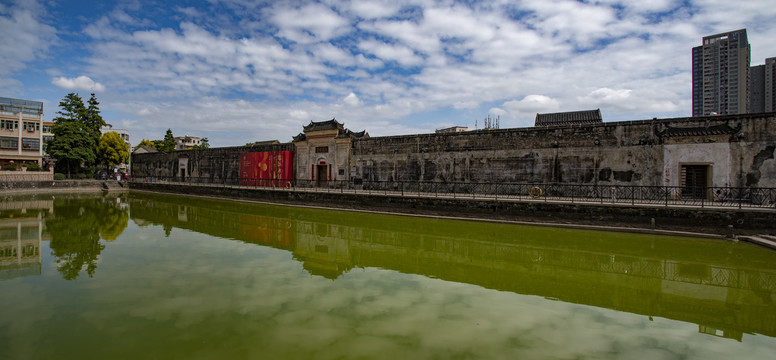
25,106
332,124
583,117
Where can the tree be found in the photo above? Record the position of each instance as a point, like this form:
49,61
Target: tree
93,120
145,142
168,144
112,149
76,133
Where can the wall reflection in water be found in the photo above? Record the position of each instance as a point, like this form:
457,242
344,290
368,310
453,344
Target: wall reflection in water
727,288
21,233
75,225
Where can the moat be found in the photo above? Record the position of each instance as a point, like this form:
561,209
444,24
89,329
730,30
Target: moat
158,276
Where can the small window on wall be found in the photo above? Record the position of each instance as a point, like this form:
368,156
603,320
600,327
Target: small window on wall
321,149
342,172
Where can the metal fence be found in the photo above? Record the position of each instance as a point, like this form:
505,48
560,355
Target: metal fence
603,194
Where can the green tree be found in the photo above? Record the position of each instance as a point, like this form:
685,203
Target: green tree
93,120
76,133
169,141
167,144
112,150
145,142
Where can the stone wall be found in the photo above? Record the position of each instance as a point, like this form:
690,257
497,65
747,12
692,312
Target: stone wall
739,150
734,150
213,165
10,176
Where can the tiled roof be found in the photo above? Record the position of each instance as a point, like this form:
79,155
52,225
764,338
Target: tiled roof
569,118
332,124
699,131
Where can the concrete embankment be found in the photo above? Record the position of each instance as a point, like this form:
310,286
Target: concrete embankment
21,187
676,220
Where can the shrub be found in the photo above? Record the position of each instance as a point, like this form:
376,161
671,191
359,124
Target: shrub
32,167
9,167
59,176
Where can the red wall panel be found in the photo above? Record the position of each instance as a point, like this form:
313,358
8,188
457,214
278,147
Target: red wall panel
267,168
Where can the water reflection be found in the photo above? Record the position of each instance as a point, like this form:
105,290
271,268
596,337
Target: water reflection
726,288
21,227
76,226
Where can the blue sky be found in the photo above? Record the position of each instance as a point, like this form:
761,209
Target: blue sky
239,71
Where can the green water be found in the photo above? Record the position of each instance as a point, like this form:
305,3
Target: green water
165,277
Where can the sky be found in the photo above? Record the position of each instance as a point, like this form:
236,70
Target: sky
239,71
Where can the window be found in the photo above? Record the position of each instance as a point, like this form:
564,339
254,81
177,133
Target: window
321,149
9,143
9,124
30,144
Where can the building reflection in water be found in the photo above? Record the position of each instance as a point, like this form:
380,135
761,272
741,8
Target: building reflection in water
727,288
21,233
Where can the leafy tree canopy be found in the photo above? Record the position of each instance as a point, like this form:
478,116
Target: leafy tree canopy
68,146
168,143
112,149
76,132
145,142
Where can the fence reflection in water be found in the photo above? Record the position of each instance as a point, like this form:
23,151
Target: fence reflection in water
738,197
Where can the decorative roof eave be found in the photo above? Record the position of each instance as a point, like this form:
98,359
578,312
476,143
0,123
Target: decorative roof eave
724,129
332,124
300,137
345,133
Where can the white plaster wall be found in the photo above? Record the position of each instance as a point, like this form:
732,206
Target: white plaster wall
715,154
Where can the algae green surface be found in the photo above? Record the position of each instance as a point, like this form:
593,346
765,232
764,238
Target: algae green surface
154,276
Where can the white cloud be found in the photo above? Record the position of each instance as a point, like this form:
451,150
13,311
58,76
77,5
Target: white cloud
606,96
390,52
449,61
310,23
352,100
532,104
25,36
370,9
80,83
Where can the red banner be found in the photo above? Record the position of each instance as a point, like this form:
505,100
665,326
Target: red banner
267,168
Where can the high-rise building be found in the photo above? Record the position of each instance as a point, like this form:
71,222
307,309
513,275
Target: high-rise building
770,84
757,89
762,85
720,74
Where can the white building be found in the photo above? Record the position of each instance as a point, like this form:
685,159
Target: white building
21,138
186,142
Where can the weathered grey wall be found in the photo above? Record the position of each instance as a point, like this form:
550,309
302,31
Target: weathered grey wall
739,149
210,165
626,153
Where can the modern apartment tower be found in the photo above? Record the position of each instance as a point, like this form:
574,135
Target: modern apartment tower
720,74
770,84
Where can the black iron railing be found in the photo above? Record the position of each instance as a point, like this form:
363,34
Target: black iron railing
602,194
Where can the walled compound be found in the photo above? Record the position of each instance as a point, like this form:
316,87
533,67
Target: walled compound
720,151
